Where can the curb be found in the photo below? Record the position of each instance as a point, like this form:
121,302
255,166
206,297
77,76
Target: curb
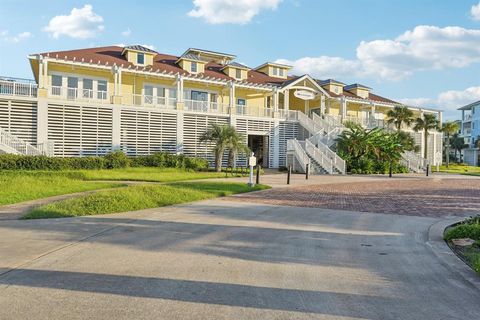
443,252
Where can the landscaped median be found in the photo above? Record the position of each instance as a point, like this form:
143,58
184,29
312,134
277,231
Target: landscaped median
464,239
461,169
139,197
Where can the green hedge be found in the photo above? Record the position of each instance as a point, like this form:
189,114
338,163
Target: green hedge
112,160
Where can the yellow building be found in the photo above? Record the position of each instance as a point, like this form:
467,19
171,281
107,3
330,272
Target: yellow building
91,101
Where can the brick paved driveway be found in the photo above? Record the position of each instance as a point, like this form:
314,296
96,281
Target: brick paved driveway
420,197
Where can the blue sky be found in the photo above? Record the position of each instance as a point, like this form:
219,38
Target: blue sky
423,52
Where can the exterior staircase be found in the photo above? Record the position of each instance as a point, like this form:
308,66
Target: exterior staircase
317,149
313,150
14,145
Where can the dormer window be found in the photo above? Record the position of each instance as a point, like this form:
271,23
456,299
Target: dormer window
238,74
274,70
139,55
140,58
193,67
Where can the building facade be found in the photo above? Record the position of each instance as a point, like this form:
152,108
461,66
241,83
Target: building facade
470,132
92,101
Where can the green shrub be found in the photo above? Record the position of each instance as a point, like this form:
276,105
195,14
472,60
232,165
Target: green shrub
116,160
471,231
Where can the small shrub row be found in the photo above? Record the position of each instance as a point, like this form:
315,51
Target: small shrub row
112,160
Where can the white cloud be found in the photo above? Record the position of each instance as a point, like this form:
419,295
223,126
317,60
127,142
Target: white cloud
230,11
449,101
324,66
127,32
475,12
81,23
423,48
16,38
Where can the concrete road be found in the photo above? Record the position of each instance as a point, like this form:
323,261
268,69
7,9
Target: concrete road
222,259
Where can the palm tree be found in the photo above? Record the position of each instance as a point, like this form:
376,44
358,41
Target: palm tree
400,115
425,124
236,145
458,143
449,128
220,136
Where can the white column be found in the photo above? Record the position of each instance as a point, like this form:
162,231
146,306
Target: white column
322,104
440,117
343,107
329,105
180,132
276,144
42,120
119,81
275,101
180,88
286,99
232,97
422,147
372,110
116,128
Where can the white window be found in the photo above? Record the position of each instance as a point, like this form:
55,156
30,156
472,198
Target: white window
238,73
56,85
140,58
193,67
275,71
102,89
72,87
148,94
280,72
172,97
88,88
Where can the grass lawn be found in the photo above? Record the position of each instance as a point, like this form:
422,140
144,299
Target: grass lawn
18,186
455,168
149,174
139,197
469,229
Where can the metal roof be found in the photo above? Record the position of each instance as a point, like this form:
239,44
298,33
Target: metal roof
469,106
138,47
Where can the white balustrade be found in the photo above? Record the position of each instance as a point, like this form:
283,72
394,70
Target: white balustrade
14,88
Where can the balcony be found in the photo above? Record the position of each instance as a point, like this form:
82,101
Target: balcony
206,107
467,118
18,87
150,101
82,95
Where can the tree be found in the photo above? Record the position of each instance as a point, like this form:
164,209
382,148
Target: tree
219,135
400,115
371,150
449,128
425,124
458,143
236,145
224,137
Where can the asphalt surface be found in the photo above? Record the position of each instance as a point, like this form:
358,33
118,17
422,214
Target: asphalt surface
221,259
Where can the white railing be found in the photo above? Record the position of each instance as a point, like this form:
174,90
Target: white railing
413,161
319,157
13,88
253,111
205,106
337,162
17,145
294,147
151,101
76,94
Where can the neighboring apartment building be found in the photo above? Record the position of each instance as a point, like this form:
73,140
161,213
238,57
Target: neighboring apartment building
92,101
470,131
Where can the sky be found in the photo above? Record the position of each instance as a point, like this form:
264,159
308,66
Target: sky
420,52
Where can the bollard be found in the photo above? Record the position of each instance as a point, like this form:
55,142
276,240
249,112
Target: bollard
259,167
428,169
307,171
390,173
289,172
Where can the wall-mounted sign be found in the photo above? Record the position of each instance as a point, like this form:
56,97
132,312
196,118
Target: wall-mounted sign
304,94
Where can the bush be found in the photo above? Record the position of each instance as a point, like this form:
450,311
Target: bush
112,160
116,160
